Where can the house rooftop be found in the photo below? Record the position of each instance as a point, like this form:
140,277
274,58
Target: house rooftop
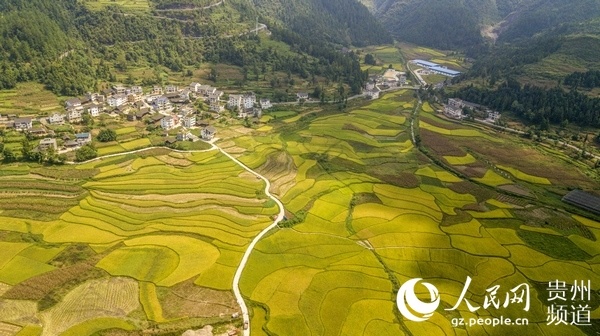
445,70
425,63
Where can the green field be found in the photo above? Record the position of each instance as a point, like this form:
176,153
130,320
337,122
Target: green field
159,235
331,175
132,5
147,226
29,98
385,56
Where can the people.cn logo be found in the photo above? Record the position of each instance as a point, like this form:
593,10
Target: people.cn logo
409,305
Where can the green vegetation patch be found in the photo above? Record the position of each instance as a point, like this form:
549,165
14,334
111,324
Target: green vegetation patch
525,177
21,268
460,160
92,327
557,247
130,5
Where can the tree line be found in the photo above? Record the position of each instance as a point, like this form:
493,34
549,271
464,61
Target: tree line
535,104
589,79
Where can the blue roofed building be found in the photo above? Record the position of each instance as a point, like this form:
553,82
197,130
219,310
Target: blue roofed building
436,68
444,71
425,64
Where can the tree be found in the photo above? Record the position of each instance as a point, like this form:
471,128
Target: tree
27,150
86,152
87,119
107,135
213,74
370,59
9,155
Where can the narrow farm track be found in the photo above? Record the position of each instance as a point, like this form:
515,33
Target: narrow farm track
242,265
240,269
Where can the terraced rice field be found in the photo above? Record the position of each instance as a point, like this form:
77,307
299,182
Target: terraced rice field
141,226
158,237
124,146
354,234
28,98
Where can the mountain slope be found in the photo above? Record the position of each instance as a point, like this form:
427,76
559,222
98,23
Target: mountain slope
69,47
442,24
459,23
338,21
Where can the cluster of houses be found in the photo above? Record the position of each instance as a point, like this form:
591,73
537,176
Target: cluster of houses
169,106
390,79
455,110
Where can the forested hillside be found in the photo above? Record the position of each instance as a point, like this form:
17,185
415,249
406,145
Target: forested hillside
67,45
338,21
459,24
445,24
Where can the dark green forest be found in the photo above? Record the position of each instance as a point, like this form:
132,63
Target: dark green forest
443,24
67,47
589,79
537,105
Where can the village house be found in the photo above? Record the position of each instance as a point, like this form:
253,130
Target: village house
302,96
454,109
157,90
119,89
56,119
265,104
73,103
189,121
195,87
170,141
144,111
132,117
161,103
107,93
168,122
234,101
93,110
216,107
373,93
71,144
40,131
74,115
240,102
205,90
83,138
171,89
208,133
493,116
91,96
47,143
137,90
214,97
133,98
117,100
22,124
250,112
179,97
248,100
183,136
